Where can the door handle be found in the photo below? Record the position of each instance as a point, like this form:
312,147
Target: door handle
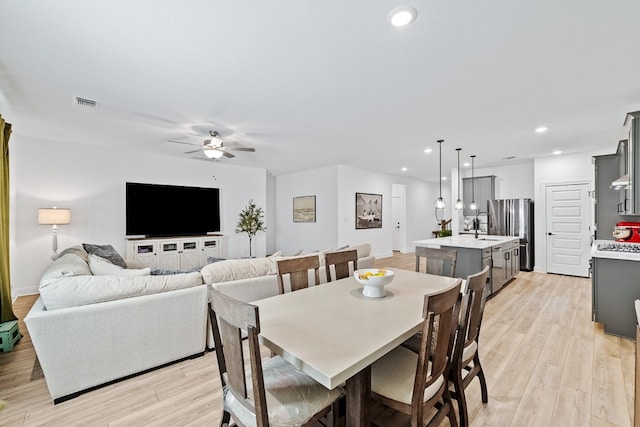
551,234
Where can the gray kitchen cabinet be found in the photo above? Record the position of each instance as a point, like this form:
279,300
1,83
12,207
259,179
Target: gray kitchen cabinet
615,288
607,204
484,191
504,260
625,205
470,261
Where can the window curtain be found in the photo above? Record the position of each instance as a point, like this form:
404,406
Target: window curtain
6,309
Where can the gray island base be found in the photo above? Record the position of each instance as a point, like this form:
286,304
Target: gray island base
501,253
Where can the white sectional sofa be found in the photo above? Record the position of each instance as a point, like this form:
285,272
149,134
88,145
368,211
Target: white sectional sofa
89,330
95,323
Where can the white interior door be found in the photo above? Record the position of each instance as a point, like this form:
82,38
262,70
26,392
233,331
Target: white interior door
398,217
568,231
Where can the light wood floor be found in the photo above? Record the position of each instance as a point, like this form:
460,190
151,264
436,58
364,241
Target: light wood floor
546,362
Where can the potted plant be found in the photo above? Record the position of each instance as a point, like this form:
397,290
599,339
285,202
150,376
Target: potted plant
250,221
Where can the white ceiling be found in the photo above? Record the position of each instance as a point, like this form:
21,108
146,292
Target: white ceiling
316,83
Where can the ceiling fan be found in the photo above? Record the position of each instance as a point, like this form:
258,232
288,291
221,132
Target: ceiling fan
214,148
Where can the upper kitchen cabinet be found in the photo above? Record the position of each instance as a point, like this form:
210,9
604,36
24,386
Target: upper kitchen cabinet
621,182
483,188
629,157
607,170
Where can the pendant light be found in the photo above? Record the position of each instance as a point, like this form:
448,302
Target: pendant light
440,203
473,205
459,203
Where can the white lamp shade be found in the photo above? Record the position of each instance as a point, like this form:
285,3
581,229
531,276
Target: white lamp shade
213,154
54,216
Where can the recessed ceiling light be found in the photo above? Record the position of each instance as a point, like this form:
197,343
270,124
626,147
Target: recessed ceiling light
402,16
404,169
428,150
557,152
466,164
444,178
542,129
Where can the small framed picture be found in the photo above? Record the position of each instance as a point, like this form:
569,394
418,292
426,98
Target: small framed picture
368,210
304,209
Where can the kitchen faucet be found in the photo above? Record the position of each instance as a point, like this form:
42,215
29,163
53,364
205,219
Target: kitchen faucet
476,222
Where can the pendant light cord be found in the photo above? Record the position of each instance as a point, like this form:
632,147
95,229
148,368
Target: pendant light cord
458,150
473,179
440,141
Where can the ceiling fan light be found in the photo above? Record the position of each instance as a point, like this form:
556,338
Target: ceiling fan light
213,154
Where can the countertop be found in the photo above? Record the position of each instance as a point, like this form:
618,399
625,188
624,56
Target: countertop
465,241
629,256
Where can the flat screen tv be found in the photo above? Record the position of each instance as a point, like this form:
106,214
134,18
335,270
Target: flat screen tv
155,210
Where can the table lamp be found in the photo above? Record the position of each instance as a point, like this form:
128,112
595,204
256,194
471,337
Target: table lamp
54,217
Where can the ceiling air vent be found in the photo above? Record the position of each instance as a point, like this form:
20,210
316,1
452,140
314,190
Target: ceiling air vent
84,102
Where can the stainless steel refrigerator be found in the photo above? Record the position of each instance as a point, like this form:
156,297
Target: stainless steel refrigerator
514,217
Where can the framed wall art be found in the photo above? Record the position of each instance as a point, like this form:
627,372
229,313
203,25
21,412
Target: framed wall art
368,210
304,209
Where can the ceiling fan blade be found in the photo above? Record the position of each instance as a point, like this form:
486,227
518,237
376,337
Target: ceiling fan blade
228,154
193,151
252,150
182,142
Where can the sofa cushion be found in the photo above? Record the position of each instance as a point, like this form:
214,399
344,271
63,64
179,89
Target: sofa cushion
107,252
87,289
234,269
101,267
67,265
364,250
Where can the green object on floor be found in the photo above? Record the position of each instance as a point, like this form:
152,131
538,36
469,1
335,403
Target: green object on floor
9,335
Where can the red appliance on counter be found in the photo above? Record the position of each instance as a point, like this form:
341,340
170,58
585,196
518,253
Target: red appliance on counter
627,231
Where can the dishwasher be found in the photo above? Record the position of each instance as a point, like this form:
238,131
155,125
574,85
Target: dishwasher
486,261
498,270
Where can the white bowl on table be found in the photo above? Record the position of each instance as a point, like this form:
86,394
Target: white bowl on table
373,285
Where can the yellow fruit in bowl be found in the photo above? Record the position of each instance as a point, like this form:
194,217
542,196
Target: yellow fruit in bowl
380,273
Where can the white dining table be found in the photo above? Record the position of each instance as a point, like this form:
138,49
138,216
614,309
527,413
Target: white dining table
334,333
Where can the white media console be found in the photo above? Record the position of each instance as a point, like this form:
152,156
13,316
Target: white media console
174,253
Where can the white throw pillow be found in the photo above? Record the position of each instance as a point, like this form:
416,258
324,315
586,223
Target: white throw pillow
101,267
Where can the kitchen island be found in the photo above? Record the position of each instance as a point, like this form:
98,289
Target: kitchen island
500,253
615,286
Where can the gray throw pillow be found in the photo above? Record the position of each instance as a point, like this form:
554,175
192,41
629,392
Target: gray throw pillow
107,252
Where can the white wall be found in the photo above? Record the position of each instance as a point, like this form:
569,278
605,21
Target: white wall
512,181
91,182
565,169
293,237
335,188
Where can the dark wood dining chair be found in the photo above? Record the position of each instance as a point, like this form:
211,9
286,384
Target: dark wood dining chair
465,363
341,263
414,383
297,270
441,262
272,392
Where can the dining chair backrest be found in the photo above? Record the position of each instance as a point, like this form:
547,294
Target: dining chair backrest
477,290
439,313
441,262
340,261
461,371
229,317
297,270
